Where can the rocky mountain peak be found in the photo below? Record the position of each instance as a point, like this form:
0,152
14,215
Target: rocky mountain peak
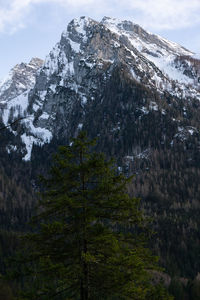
79,26
20,79
35,62
79,68
116,41
143,37
78,31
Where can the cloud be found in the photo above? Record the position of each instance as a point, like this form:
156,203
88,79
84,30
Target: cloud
155,14
166,14
13,15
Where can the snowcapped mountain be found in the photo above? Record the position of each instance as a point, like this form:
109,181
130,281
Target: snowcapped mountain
81,66
174,61
135,91
145,54
20,79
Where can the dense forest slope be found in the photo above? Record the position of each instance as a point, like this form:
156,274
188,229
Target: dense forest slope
139,95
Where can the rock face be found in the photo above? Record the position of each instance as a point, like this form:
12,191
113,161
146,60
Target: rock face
20,79
79,68
140,95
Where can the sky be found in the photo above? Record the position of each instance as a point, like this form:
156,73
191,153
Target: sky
30,28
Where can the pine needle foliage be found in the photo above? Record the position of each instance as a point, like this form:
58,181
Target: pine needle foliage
90,242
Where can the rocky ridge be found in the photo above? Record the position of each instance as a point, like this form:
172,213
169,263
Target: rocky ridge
81,65
20,79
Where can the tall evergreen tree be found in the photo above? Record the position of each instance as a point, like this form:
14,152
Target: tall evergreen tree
90,242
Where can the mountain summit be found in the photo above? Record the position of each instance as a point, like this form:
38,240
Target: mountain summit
139,94
79,68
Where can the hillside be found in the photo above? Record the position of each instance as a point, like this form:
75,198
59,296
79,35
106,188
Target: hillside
140,95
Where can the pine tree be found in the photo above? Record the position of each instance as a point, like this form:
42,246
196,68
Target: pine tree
90,241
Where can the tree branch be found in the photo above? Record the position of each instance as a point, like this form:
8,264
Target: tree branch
14,122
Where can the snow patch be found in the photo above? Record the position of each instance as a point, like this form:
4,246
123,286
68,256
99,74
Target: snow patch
53,87
184,132
80,126
75,46
116,44
83,100
166,65
51,62
144,154
80,25
42,95
134,75
153,106
144,110
44,116
129,157
17,105
11,148
89,64
35,135
191,131
36,107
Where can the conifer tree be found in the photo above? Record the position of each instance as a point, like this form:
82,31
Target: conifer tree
90,242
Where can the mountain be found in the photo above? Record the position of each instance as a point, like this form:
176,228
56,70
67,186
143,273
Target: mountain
140,95
89,50
20,79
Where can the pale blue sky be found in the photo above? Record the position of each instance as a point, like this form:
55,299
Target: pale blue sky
30,28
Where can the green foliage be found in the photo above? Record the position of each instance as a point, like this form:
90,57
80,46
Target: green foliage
159,292
91,238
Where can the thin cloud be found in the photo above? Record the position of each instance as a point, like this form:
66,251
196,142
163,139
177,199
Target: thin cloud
13,16
166,14
155,14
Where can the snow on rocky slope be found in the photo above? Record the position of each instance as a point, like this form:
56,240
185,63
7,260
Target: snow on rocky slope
165,55
81,63
20,79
